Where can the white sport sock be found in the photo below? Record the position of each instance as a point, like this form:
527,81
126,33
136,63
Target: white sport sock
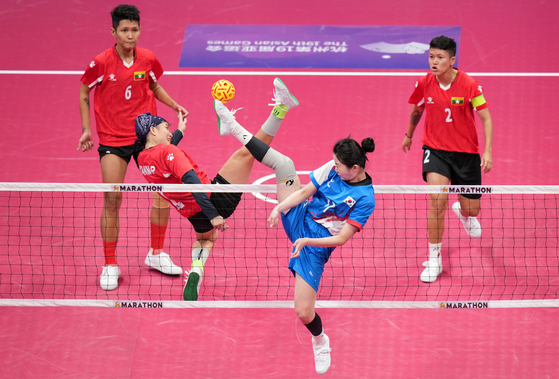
200,253
319,340
240,133
434,250
271,126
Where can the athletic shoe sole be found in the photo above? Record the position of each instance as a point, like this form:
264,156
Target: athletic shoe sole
190,292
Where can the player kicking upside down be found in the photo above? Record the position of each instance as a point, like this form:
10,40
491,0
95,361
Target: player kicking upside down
342,201
207,214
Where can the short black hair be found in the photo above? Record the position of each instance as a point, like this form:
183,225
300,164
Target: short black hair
444,43
125,12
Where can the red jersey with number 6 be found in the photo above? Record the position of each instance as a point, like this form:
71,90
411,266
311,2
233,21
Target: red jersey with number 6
449,123
121,93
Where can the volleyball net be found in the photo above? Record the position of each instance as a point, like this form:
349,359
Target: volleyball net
51,250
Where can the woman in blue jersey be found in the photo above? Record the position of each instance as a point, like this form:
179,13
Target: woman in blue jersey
342,201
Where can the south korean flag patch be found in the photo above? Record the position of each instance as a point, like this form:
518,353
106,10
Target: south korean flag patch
349,201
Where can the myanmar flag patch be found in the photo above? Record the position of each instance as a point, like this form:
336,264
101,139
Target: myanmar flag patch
141,75
457,101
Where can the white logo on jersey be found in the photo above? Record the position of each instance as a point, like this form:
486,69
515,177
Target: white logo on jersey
430,100
167,174
147,170
331,181
112,78
170,157
92,64
349,201
480,89
330,205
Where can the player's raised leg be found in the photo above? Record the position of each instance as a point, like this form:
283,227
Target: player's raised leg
237,169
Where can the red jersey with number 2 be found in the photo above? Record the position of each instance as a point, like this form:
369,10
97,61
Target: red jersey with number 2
449,123
121,93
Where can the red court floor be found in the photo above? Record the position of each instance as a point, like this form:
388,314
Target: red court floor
510,45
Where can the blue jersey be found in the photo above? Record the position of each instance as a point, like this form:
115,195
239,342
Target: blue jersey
336,202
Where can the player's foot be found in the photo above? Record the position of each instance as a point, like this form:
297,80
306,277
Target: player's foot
433,267
109,278
162,262
471,224
322,356
192,286
282,96
225,119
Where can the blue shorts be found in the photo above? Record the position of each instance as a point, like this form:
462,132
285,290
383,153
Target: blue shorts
311,260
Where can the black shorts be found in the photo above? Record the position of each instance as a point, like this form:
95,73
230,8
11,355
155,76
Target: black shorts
225,203
463,169
125,152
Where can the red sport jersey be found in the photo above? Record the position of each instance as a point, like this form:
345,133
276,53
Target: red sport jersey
121,93
167,164
450,123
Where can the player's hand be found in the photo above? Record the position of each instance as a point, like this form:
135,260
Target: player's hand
85,143
219,223
179,108
274,217
406,144
298,245
182,121
486,162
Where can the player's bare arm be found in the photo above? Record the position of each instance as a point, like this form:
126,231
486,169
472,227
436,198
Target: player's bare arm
85,142
345,234
487,157
415,117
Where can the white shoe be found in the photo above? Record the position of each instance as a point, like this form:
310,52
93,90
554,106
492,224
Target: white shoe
433,267
282,96
322,359
109,278
162,262
225,118
193,281
471,224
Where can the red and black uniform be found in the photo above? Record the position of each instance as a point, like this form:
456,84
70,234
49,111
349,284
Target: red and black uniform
122,92
451,146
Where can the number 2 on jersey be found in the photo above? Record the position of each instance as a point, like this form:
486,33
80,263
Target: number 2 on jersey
449,115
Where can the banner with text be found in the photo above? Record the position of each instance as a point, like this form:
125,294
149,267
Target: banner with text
311,46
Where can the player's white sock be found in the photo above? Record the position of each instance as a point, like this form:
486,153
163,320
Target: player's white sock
200,254
240,133
272,125
434,250
319,340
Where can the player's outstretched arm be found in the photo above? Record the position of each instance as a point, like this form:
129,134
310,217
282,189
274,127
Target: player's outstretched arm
415,117
162,95
85,143
291,201
345,234
487,157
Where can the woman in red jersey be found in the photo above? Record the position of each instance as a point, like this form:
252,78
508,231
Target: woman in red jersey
125,78
449,98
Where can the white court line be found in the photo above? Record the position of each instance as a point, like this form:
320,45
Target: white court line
292,73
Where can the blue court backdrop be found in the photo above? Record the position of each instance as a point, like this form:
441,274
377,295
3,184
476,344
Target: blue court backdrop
311,46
